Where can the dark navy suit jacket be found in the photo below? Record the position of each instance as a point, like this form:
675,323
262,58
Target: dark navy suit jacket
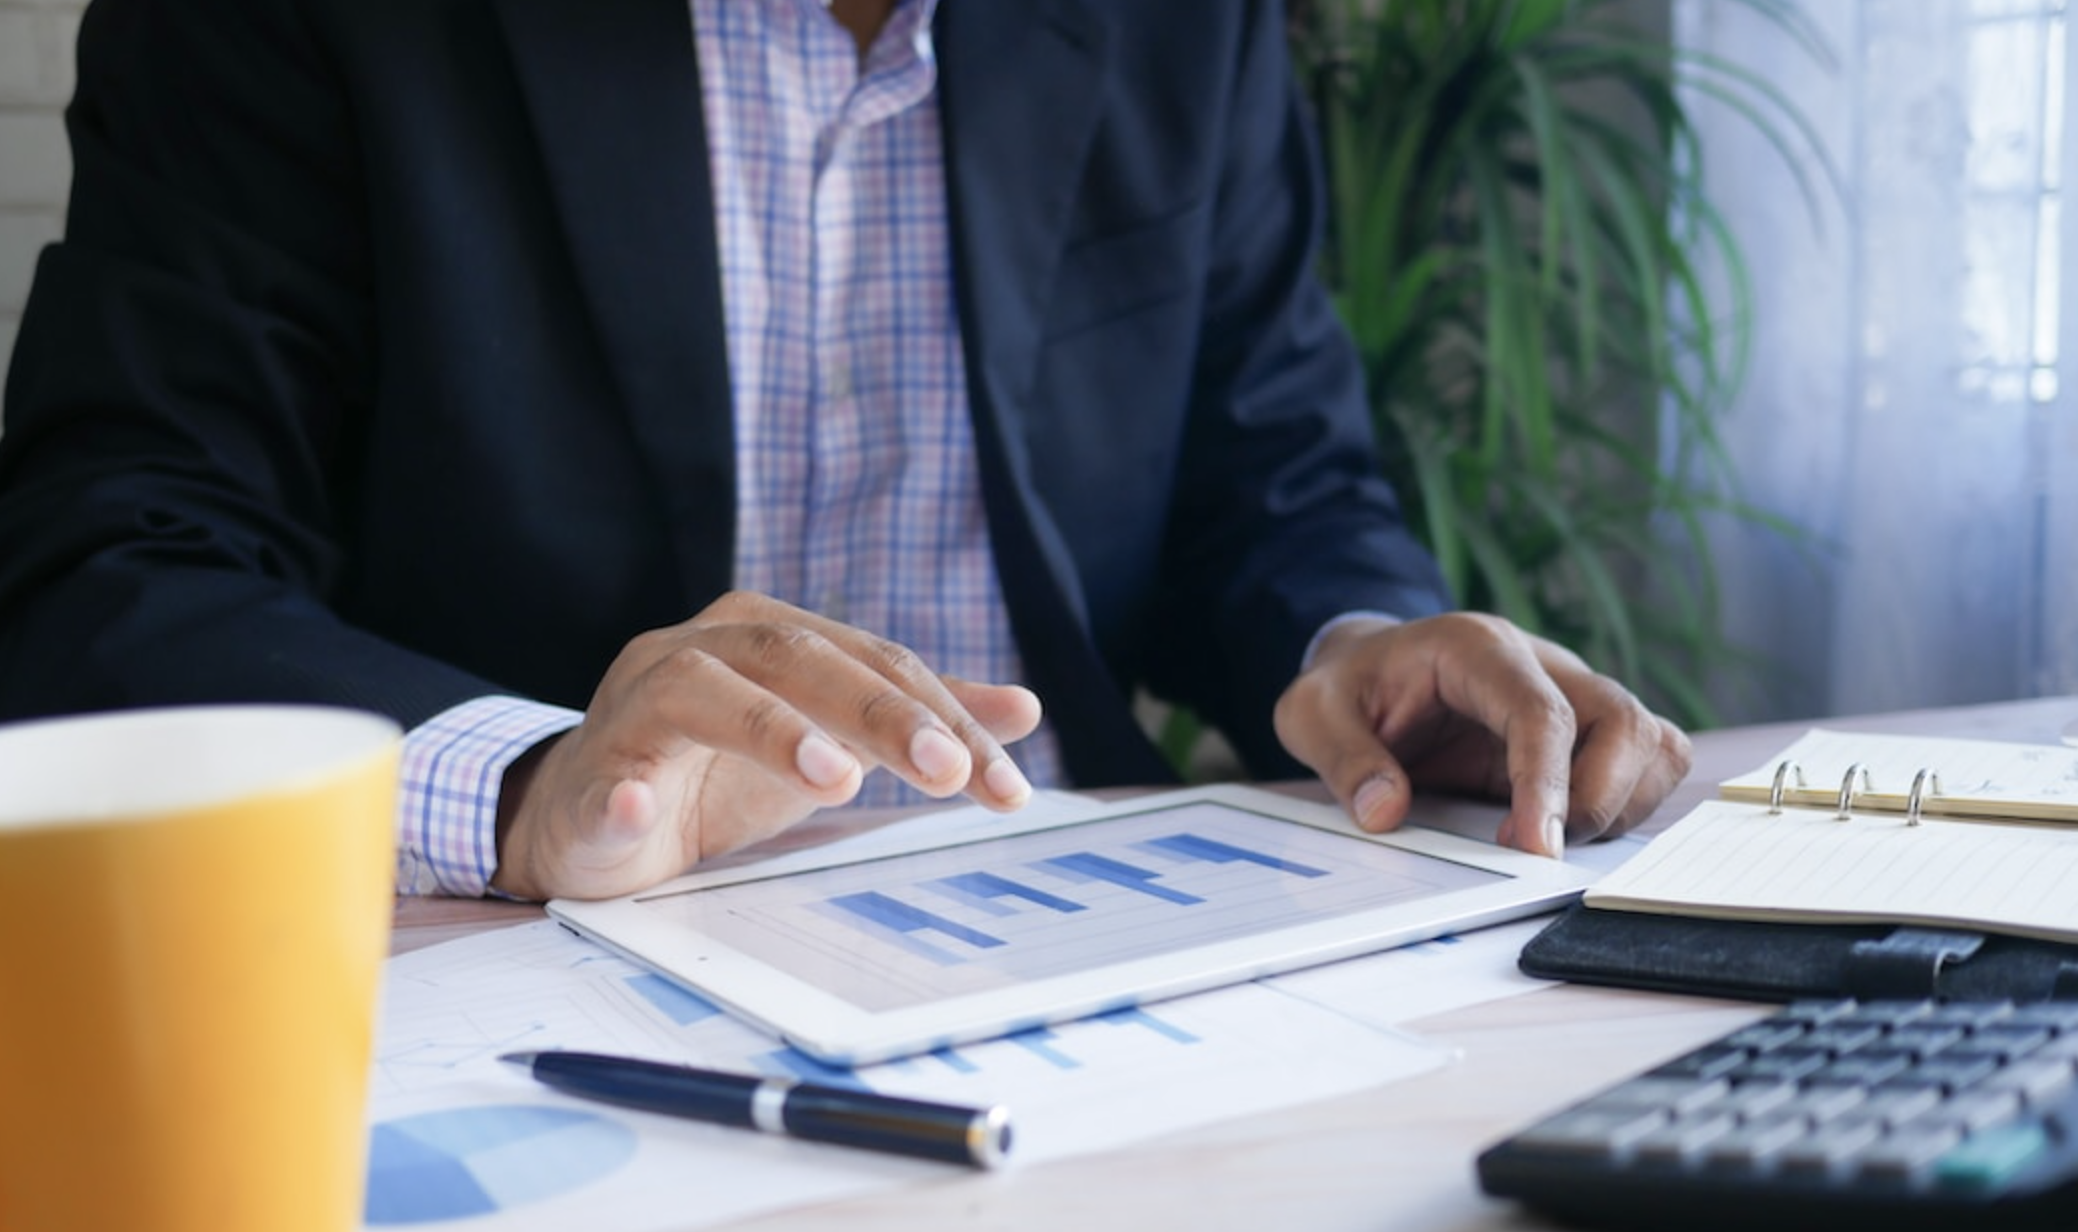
382,361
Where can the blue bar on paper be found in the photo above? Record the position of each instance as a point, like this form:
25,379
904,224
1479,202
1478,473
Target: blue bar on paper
899,916
1196,847
681,1005
988,886
954,1060
1039,1042
1134,1016
798,1065
1089,866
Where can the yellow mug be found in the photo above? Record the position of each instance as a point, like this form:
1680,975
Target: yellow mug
194,910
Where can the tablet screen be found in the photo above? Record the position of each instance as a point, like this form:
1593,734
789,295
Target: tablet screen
909,930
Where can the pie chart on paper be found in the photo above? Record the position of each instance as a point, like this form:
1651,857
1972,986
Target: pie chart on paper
462,1162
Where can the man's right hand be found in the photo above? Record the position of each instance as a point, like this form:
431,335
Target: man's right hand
725,729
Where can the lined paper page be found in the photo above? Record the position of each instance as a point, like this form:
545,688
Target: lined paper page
1978,778
1740,861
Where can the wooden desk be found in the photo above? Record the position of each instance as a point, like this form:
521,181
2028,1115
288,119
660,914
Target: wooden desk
1398,1157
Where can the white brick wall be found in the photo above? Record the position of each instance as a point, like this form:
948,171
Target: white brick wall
36,39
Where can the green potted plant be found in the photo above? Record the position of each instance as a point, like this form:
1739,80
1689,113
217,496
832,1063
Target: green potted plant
1518,241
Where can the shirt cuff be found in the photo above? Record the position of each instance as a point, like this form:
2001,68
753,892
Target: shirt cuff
1313,647
447,805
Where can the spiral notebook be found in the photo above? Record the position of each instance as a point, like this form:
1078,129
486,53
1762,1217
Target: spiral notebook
1850,863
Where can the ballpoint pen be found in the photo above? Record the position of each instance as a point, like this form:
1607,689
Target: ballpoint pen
976,1136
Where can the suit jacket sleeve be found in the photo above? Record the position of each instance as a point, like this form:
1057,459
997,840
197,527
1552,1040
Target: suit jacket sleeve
1283,519
187,383
1198,432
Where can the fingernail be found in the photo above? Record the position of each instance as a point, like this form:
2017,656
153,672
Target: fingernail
1369,804
936,755
821,762
1555,837
1006,782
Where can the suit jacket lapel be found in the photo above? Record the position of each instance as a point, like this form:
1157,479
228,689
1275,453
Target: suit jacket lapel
613,89
1021,86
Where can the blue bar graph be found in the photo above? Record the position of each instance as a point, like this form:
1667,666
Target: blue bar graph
1089,866
952,1059
1039,1042
986,887
1194,847
894,914
798,1065
676,1002
1134,1016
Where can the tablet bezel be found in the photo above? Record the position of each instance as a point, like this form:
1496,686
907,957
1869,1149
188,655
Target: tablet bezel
837,1032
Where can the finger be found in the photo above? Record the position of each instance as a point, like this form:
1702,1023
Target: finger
981,768
690,695
1505,689
1666,772
875,696
1620,763
1010,713
1322,722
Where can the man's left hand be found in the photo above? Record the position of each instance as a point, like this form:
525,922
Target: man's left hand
1471,704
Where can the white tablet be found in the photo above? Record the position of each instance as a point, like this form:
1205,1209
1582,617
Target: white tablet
1015,922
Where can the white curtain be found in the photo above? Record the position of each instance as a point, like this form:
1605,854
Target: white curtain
1912,398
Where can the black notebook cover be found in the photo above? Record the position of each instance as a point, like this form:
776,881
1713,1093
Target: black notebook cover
1764,961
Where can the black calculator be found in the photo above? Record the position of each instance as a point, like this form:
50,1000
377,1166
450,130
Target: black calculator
1960,1116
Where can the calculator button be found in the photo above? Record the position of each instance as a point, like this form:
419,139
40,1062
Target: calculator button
1829,1147
1864,1069
1843,1037
2007,1041
1924,1040
1968,1014
1753,1143
1703,1063
1894,1105
1990,1159
2063,1048
1682,1140
1592,1132
1765,1035
1752,1099
1816,1011
1676,1095
1950,1072
1906,1151
2038,1082
1890,1013
1978,1109
1819,1104
2056,1017
1784,1065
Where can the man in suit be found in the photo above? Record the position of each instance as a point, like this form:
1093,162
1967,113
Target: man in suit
675,411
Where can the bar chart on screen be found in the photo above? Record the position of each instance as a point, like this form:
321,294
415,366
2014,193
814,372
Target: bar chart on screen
884,934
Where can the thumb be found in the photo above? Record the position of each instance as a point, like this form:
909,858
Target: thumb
628,817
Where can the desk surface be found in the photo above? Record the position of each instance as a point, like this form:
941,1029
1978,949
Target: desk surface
1398,1157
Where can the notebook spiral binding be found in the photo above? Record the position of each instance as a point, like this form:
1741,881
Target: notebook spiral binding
1927,782
1783,770
1845,810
